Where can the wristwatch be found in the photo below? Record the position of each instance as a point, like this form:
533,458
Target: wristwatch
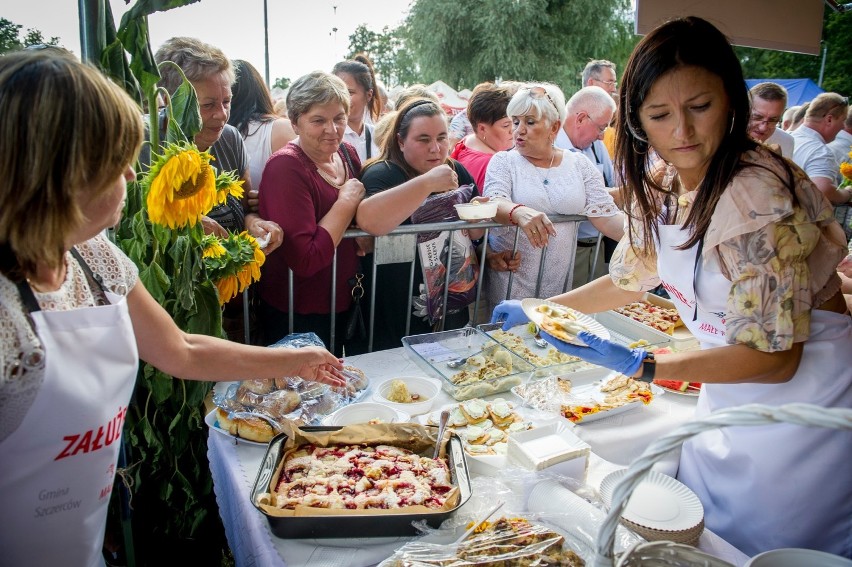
649,367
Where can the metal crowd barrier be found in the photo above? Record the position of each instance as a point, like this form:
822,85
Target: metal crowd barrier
400,246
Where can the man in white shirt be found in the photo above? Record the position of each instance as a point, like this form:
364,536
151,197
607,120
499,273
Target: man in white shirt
823,120
588,114
768,101
842,147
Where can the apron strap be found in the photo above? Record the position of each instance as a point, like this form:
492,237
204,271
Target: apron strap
96,283
698,251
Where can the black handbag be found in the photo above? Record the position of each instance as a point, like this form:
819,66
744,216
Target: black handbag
356,329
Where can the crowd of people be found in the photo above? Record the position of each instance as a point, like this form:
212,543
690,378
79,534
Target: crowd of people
681,165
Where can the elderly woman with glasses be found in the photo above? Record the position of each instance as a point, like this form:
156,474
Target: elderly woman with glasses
535,179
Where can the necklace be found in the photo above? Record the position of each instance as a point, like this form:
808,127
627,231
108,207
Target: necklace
546,180
330,180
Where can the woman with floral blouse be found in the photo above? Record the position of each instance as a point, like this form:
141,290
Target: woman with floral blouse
747,248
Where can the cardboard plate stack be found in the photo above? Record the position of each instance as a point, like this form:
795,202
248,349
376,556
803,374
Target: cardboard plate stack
660,508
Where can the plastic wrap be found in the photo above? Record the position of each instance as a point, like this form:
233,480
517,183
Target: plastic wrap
560,511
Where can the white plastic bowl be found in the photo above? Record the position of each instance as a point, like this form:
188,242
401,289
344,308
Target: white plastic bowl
476,210
363,412
427,388
796,557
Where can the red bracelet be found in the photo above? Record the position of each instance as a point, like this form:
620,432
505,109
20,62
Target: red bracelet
512,211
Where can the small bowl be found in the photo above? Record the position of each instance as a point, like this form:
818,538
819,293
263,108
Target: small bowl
477,211
363,412
794,557
427,388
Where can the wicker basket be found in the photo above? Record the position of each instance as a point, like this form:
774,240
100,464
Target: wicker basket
669,554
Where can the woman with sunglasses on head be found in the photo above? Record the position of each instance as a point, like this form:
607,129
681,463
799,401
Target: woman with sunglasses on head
413,165
535,179
747,247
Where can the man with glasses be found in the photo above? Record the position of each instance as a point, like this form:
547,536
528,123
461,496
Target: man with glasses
823,120
601,73
587,115
767,110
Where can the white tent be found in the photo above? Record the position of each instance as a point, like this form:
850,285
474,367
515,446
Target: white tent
450,99
465,94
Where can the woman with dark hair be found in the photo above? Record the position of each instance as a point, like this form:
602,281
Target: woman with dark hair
253,114
364,101
747,248
413,165
492,129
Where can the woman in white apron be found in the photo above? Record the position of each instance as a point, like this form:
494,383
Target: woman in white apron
74,319
747,248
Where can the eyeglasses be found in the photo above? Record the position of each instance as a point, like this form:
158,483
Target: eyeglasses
601,129
758,119
541,92
610,84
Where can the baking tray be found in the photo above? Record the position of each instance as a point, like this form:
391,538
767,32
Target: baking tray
432,351
681,340
360,525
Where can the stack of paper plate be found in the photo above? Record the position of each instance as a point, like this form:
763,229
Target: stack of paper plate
660,508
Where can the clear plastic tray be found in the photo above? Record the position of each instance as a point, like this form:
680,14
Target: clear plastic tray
541,370
432,352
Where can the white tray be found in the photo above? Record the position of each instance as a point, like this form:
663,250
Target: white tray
213,423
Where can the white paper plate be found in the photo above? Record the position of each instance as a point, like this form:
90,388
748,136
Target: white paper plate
529,306
690,392
363,412
213,423
659,502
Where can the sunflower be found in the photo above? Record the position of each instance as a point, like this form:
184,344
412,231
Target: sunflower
180,186
846,169
235,269
228,183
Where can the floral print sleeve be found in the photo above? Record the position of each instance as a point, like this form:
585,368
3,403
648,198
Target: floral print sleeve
779,255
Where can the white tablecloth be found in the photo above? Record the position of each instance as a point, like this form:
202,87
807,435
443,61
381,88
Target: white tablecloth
615,442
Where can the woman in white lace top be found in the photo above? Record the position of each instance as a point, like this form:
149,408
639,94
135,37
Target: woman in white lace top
533,180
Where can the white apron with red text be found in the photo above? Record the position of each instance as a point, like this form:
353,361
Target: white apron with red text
766,487
57,469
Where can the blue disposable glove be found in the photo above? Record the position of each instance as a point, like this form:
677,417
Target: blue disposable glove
601,352
510,312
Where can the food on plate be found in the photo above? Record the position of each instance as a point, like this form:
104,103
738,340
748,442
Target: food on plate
678,385
516,344
258,386
474,411
493,362
280,403
399,393
484,426
561,322
663,319
619,391
356,381
361,477
246,397
247,427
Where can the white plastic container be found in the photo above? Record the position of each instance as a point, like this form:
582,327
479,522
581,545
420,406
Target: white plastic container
796,557
427,390
552,446
477,211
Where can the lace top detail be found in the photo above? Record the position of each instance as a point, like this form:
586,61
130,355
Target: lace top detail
781,258
20,374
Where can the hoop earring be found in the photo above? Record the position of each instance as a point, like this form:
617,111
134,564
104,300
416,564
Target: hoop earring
641,142
733,120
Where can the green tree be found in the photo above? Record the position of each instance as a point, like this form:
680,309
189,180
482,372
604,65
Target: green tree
464,43
11,40
282,83
393,62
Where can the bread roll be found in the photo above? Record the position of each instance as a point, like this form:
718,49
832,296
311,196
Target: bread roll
226,422
255,429
246,397
280,403
258,386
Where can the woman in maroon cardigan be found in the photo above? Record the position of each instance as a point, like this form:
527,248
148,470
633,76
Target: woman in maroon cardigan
310,187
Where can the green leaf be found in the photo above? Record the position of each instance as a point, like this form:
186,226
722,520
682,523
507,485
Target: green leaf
186,118
162,387
207,319
156,281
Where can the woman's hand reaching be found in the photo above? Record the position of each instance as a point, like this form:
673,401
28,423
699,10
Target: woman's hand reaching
319,365
510,313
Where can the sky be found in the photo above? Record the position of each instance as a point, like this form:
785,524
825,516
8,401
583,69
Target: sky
301,36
